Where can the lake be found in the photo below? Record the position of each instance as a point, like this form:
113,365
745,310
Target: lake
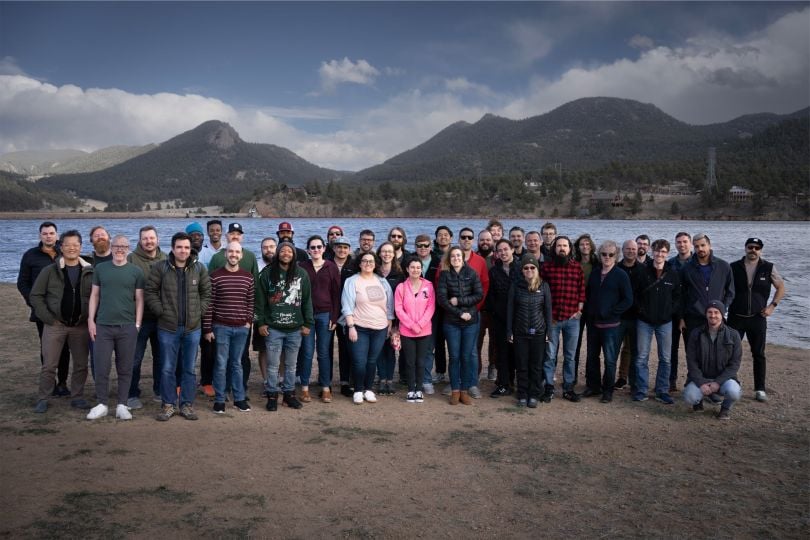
788,325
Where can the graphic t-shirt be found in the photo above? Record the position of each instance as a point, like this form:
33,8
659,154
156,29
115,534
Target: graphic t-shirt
370,308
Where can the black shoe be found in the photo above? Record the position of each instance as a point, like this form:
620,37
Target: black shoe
272,402
548,395
698,407
589,392
607,397
61,390
620,383
532,404
80,403
291,401
219,408
572,396
242,405
346,390
500,391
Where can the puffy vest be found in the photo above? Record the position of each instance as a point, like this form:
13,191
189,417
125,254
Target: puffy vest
751,300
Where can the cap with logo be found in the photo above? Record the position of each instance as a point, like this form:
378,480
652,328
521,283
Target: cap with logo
285,226
755,241
235,227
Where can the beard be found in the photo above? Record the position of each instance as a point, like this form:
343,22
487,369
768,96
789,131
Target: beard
101,246
267,259
560,259
484,251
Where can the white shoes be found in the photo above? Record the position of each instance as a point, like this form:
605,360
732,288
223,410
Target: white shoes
357,398
369,396
761,396
122,412
98,411
428,388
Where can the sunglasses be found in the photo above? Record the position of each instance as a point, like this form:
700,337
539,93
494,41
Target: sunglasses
315,247
395,236
423,245
611,255
753,248
466,237
334,233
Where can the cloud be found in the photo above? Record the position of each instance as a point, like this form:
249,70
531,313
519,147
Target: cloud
462,85
707,79
641,42
532,41
337,72
8,66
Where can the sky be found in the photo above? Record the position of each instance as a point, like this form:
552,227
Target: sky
347,85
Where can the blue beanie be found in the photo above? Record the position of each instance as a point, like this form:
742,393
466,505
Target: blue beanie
195,227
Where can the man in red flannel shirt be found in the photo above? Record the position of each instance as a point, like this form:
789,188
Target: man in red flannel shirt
567,282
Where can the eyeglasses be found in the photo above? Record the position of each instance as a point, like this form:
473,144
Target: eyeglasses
394,236
118,246
423,245
366,261
753,248
611,255
315,247
466,237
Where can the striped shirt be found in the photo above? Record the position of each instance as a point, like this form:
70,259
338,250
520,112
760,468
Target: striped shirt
232,299
567,284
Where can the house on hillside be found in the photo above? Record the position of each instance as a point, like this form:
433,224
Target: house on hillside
604,198
740,194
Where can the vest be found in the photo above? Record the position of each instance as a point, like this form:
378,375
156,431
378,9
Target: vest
749,301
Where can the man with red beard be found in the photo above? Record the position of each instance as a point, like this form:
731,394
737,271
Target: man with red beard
102,251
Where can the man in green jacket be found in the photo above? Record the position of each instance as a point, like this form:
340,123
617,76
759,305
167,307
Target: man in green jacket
283,314
60,298
177,292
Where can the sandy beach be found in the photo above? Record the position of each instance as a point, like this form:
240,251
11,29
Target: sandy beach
396,470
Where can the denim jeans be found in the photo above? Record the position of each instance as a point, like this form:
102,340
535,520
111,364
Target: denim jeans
147,334
427,377
608,340
569,329
461,341
229,341
386,362
279,341
365,352
663,338
183,345
320,337
730,390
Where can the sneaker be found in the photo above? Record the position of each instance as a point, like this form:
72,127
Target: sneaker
122,412
272,402
532,404
411,397
346,390
291,401
219,408
208,390
187,412
242,405
500,391
620,383
491,374
607,397
385,389
41,406
666,399
716,399
61,390
761,396
521,402
134,403
428,389
440,377
548,395
419,397
80,403
698,407
640,397
474,392
369,396
97,412
724,414
447,390
165,413
357,398
571,396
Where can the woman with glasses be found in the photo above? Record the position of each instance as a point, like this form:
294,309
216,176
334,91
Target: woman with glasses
367,304
390,270
414,303
609,295
459,291
324,277
528,317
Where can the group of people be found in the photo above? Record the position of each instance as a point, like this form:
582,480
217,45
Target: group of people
431,307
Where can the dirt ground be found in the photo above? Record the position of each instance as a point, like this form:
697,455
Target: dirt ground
396,470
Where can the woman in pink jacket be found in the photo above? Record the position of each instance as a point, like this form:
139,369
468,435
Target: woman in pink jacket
414,303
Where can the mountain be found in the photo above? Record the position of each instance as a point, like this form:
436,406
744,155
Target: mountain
37,162
583,134
18,194
208,165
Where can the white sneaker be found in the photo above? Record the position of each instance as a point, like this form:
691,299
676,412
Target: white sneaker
122,412
761,396
357,398
369,396
419,397
428,388
411,397
97,412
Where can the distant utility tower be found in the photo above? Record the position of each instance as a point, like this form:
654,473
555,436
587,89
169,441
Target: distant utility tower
711,179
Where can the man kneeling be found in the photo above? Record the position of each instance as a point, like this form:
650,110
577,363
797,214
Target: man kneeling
713,357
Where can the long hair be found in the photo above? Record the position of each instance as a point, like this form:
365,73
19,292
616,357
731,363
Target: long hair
395,269
446,259
593,258
275,266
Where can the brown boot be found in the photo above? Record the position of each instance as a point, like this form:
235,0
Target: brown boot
465,399
305,397
454,397
326,395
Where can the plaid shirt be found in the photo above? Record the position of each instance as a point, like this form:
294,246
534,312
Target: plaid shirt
567,283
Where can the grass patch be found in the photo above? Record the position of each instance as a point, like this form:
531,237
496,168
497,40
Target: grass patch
118,452
318,439
514,410
257,501
36,431
81,452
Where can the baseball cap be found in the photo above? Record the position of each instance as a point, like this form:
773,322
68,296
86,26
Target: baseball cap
285,226
235,227
755,241
342,240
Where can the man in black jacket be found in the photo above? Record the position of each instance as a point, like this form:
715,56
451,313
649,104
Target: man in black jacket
656,291
749,312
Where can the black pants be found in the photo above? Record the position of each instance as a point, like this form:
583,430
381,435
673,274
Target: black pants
530,354
208,352
579,347
755,328
677,336
504,353
413,358
344,354
64,358
439,346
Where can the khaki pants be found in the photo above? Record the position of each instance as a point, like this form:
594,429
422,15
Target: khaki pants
54,337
